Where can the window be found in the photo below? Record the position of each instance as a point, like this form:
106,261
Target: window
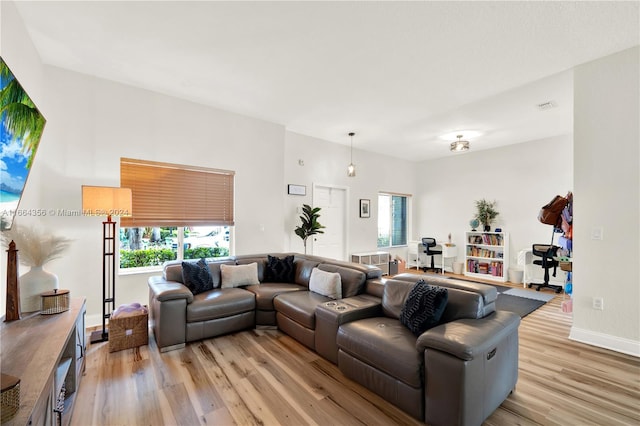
179,212
152,246
392,220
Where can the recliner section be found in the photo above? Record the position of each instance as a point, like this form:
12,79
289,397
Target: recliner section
456,373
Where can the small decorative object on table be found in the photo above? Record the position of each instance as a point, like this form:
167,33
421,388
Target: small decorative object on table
54,302
10,397
12,311
128,327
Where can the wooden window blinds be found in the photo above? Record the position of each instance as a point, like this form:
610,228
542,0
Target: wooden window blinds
165,194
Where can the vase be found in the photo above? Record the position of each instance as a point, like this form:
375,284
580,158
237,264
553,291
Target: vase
487,228
32,285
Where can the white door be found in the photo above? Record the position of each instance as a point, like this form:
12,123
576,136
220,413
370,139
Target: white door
333,215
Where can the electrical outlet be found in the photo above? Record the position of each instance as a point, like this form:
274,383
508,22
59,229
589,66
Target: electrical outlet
598,303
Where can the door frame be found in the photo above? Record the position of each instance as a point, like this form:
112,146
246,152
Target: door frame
347,212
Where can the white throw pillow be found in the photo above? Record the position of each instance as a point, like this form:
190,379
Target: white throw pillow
238,275
326,283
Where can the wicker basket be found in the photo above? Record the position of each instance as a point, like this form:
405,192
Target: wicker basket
10,397
128,332
54,302
566,266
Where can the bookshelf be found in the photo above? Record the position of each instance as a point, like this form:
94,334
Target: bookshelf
487,255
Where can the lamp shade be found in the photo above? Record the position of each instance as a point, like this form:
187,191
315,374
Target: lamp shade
106,201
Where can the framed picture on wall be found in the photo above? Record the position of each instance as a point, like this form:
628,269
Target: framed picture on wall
365,208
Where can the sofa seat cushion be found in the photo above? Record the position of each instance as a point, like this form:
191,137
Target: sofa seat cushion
220,303
300,306
265,293
384,343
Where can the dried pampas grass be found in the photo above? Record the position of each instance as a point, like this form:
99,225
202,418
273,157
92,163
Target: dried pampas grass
36,247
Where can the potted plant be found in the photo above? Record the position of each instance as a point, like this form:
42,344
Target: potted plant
310,225
486,213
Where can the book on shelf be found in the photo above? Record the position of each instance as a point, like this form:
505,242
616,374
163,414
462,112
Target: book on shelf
495,269
482,252
486,239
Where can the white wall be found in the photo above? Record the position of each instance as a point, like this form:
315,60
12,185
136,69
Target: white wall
19,53
607,195
91,123
326,163
95,122
521,178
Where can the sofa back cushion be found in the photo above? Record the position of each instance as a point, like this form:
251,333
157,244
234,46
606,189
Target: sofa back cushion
464,304
260,261
216,276
460,303
303,270
352,279
173,270
393,297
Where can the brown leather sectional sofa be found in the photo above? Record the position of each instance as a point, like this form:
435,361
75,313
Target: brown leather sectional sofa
456,373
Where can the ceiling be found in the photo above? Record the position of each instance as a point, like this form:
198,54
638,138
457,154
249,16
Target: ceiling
398,74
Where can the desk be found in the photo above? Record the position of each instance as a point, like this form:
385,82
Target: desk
418,258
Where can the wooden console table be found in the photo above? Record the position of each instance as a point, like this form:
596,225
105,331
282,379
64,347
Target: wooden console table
47,353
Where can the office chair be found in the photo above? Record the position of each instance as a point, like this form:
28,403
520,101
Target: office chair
427,243
546,252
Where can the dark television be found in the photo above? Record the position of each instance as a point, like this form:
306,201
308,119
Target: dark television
21,126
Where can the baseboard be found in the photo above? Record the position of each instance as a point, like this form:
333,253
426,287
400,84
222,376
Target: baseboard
93,321
606,341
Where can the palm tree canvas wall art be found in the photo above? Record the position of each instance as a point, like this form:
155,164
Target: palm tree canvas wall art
21,126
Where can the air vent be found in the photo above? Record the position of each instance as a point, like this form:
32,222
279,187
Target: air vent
547,105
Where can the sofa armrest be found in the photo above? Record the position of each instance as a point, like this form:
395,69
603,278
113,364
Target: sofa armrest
330,315
466,338
164,290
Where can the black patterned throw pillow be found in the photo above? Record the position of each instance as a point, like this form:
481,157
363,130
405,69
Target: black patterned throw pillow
279,270
424,307
197,277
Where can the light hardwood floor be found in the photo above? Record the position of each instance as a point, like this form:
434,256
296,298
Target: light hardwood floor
264,377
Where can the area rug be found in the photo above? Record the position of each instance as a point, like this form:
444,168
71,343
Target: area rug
519,301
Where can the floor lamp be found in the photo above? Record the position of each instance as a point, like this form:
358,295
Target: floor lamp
106,201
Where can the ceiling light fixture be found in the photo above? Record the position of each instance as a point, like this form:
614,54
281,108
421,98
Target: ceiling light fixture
351,169
459,145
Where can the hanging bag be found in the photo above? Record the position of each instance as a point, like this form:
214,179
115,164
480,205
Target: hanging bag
551,213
